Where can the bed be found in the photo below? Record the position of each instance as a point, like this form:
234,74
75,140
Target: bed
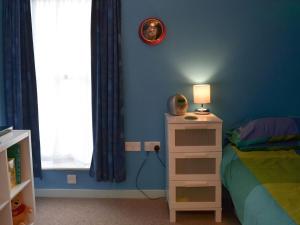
264,184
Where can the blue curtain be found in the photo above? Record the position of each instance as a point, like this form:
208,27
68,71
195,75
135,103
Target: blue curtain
108,162
19,73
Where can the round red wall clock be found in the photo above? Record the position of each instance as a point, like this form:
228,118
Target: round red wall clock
152,31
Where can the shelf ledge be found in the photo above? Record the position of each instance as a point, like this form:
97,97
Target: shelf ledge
12,138
3,205
17,189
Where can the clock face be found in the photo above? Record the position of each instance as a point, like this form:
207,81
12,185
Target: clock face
152,31
181,102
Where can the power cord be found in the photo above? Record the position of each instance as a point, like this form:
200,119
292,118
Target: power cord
156,149
141,168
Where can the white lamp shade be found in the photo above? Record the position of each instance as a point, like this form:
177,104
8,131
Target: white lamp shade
201,93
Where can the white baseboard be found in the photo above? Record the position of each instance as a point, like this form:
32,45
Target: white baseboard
90,193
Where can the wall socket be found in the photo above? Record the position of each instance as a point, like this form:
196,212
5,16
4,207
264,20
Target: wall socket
71,179
149,146
132,146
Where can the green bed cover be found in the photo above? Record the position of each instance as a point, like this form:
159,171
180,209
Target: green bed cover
264,185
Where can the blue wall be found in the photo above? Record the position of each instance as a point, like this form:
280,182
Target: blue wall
247,50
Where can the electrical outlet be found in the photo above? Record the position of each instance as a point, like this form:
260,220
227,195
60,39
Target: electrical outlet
151,146
71,179
132,146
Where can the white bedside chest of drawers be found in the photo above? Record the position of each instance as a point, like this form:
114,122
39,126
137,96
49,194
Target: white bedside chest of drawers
194,152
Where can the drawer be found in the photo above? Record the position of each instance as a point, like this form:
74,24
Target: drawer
194,137
195,194
195,166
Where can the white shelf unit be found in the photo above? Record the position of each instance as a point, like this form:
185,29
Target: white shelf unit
194,152
26,187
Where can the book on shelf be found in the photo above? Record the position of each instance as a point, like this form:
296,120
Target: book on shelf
15,153
12,172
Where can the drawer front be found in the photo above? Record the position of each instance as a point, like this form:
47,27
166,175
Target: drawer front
195,166
185,194
194,137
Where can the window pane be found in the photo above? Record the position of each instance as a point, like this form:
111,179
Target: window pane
61,33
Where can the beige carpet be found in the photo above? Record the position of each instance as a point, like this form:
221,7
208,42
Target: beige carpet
55,211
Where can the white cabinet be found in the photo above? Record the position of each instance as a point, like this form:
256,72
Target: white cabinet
26,187
194,152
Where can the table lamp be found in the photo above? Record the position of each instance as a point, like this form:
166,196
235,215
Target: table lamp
201,94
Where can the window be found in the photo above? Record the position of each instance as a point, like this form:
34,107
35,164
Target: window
61,37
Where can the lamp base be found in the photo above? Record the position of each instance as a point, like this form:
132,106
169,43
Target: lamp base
202,111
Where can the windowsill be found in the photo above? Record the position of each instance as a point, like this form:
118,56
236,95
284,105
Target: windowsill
64,169
65,164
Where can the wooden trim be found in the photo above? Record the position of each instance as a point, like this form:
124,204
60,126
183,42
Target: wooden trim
90,193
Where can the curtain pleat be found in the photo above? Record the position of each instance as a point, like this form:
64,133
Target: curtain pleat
108,162
19,73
